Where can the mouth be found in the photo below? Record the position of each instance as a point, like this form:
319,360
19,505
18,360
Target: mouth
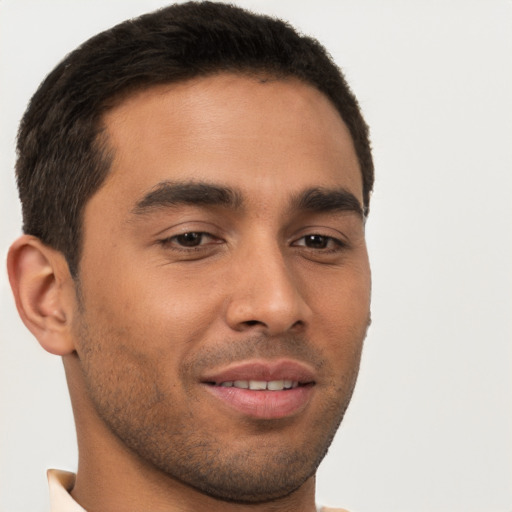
259,385
263,389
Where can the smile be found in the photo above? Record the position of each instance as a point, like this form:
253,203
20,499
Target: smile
262,389
260,385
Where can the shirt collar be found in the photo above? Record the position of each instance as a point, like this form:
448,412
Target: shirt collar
60,484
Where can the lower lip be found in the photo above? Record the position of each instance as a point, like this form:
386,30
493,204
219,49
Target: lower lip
266,405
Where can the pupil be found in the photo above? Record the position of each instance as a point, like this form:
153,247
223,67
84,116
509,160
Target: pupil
189,239
316,241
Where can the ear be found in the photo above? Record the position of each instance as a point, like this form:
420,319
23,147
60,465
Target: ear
44,292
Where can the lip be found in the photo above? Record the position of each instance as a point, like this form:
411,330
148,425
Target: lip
282,369
263,404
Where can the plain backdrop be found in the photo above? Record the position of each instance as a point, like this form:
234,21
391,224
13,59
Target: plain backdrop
430,424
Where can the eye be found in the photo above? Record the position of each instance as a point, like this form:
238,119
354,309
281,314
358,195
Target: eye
319,242
316,241
190,239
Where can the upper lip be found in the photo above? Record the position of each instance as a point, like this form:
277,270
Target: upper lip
282,369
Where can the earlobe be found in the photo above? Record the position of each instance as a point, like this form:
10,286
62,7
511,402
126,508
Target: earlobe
44,292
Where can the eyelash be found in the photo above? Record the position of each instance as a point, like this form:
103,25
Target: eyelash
329,240
184,248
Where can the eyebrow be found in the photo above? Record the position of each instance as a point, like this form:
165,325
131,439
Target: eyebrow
324,200
168,194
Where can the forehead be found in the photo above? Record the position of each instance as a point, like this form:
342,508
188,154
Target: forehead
252,134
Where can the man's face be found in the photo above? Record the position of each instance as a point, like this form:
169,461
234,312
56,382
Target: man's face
225,250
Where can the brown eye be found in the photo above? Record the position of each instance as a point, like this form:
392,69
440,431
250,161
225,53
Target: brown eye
192,239
316,241
321,243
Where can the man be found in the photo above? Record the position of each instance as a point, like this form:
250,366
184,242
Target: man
194,185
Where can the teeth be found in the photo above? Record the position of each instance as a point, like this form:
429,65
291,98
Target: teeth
275,385
259,385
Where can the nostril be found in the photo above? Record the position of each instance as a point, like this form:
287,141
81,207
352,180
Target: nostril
249,324
299,324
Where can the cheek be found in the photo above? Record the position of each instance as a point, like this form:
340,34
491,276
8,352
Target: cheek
135,335
341,300
342,315
158,311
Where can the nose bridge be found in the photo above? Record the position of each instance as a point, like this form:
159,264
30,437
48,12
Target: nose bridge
266,292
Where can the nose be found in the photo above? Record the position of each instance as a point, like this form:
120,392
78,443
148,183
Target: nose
266,295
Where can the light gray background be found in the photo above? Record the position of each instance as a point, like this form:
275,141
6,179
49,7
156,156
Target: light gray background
430,426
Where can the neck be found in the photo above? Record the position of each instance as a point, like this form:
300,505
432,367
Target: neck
111,477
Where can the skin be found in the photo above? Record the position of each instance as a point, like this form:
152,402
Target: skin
153,314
